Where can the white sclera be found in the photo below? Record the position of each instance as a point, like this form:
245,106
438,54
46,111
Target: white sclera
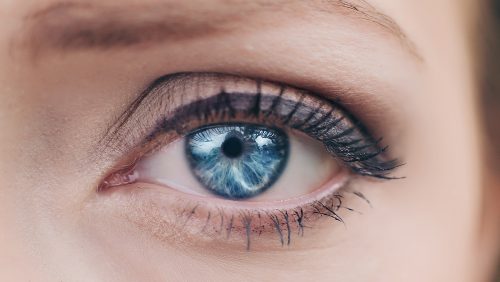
309,167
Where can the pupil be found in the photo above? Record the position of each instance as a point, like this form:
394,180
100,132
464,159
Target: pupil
232,147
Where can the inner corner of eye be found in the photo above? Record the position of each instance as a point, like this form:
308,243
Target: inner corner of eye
238,161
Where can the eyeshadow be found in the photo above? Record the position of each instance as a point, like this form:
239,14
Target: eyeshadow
343,136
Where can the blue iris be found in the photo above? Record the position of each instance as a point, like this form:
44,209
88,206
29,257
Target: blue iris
237,161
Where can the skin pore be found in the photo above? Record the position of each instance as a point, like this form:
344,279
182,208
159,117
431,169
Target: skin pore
404,69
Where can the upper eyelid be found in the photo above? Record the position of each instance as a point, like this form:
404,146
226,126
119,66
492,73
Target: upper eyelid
324,122
155,99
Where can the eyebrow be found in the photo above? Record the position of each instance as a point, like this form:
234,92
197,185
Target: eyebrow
70,26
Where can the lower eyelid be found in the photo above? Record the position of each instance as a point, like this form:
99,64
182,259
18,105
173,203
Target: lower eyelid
171,216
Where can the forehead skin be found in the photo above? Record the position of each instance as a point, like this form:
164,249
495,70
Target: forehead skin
56,96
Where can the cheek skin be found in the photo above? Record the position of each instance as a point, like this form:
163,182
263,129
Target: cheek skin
419,228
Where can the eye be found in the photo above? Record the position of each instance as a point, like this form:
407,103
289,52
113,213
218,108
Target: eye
241,162
237,161
264,156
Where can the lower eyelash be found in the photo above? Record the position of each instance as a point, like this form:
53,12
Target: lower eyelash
245,225
181,220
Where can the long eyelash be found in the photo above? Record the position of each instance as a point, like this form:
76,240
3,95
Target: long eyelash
256,108
342,135
230,227
299,217
247,222
289,231
277,225
284,223
276,101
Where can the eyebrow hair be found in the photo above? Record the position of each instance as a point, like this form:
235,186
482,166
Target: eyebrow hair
67,26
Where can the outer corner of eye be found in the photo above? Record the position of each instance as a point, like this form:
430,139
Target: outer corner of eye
238,161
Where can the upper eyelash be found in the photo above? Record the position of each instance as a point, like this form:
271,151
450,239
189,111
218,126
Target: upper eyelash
342,135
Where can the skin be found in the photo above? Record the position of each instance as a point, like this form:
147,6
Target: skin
418,91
